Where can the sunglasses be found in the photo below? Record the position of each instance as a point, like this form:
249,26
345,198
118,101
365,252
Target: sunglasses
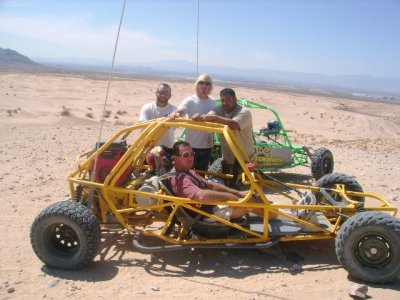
186,154
163,92
204,83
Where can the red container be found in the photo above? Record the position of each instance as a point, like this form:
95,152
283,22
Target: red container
107,160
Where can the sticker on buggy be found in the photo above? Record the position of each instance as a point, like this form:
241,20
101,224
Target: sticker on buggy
265,157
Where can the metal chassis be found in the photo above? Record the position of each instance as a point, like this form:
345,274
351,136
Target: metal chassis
157,220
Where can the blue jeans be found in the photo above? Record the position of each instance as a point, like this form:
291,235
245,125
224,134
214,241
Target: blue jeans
202,158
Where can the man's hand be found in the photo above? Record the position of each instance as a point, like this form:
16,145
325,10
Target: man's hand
207,118
198,117
175,114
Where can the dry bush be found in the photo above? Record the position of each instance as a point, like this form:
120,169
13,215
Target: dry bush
66,112
107,114
13,111
121,113
89,115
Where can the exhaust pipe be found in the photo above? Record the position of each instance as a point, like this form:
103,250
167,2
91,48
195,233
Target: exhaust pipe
147,249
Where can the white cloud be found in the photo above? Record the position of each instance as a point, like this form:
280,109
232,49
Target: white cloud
75,37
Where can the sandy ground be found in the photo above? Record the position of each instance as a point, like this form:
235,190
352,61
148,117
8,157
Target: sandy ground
38,146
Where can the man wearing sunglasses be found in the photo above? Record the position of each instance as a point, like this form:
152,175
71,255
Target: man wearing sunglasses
185,182
160,108
199,103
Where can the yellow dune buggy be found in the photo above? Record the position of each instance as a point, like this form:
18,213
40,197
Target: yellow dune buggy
113,188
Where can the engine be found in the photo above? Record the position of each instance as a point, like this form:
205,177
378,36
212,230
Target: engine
150,186
108,159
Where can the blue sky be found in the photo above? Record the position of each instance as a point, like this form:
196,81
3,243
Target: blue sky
342,37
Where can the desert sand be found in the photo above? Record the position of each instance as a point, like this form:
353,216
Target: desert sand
46,120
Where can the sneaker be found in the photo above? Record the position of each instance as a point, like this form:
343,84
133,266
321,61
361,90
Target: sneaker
308,199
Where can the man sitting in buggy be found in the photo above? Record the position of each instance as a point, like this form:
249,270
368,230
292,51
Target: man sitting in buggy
185,182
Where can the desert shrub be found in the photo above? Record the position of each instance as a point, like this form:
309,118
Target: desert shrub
107,114
121,113
89,115
66,112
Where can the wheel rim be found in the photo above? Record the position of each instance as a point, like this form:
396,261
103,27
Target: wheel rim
326,166
62,239
374,250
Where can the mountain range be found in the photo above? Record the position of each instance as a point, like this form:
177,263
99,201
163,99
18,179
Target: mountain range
364,86
11,60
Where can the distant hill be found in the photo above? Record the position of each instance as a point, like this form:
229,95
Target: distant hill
356,86
11,60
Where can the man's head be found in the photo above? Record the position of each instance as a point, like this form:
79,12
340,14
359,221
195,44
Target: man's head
228,99
183,156
163,94
204,86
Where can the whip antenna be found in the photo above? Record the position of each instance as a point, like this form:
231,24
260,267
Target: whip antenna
198,26
108,89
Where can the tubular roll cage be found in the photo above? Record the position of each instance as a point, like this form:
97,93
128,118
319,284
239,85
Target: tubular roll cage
120,200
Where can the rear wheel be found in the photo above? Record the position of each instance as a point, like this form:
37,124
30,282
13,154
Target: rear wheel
321,163
329,181
65,235
368,247
216,167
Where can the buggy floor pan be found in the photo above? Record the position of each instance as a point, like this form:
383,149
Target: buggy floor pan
282,227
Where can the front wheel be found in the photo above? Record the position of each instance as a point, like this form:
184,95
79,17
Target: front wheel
368,247
65,235
321,163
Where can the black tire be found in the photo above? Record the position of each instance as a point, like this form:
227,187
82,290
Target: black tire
196,225
216,167
321,163
330,180
65,235
368,247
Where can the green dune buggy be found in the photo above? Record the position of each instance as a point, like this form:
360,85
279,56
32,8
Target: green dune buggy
113,189
273,149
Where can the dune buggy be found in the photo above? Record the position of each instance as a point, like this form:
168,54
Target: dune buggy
114,187
273,149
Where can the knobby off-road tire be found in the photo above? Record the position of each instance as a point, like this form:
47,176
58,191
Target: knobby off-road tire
321,163
65,235
216,167
330,180
368,247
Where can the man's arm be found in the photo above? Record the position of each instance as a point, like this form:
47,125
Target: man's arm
211,196
143,116
217,119
223,188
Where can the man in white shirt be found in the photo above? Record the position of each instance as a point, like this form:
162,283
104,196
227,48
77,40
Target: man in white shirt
160,108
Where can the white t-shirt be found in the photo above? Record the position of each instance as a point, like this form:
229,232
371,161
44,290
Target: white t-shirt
193,105
151,111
